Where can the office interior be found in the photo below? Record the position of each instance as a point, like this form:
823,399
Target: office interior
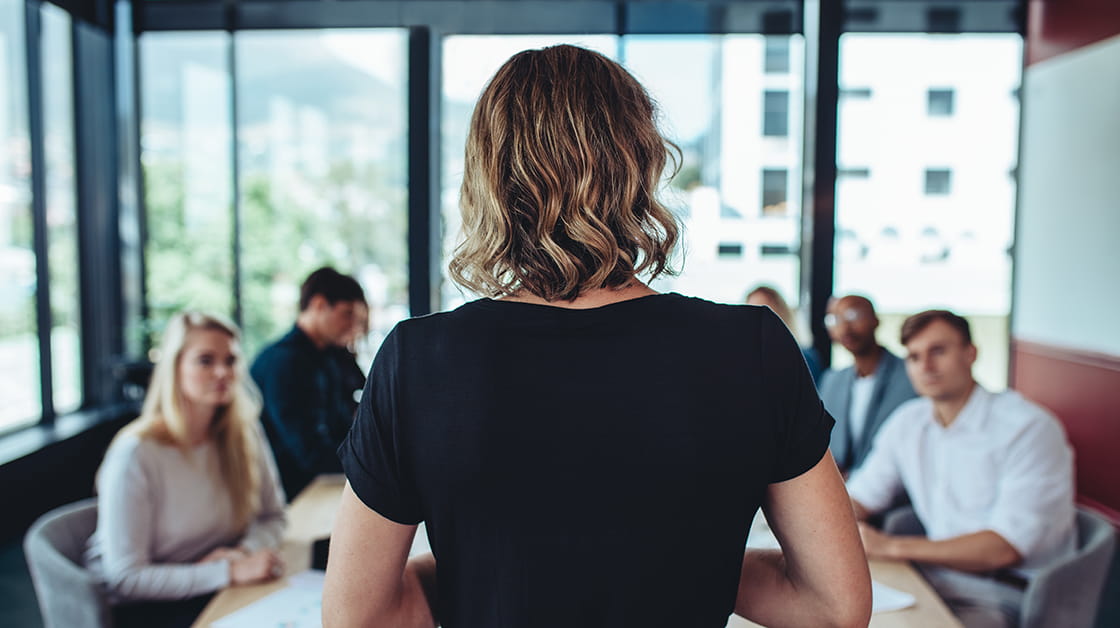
157,155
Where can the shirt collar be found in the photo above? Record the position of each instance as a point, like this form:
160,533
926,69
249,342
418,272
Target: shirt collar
974,413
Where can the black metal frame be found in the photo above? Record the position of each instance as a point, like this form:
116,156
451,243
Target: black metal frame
33,32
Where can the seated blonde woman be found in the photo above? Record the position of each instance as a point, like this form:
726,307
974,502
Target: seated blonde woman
189,501
586,452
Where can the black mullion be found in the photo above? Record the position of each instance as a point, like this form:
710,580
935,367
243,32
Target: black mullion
33,36
235,190
820,173
424,52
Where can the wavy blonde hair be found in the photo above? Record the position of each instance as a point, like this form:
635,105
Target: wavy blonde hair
563,161
234,429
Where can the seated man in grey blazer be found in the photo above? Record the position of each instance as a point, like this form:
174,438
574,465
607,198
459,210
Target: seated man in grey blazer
862,396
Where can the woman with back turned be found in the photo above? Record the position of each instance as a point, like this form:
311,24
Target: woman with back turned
585,451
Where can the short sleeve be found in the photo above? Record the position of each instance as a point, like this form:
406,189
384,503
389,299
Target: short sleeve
372,454
804,425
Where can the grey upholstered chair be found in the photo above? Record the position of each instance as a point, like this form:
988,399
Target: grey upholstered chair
1065,593
69,595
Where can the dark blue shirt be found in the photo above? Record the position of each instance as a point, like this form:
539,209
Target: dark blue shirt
306,411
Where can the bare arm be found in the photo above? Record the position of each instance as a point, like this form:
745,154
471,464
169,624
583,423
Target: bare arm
975,552
861,513
370,581
820,578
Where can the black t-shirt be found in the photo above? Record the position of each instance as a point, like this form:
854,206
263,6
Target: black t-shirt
585,468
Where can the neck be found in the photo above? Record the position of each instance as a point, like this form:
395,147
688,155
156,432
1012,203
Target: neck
866,363
198,419
946,411
306,324
596,297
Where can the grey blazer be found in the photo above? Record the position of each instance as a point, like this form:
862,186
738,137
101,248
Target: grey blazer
892,387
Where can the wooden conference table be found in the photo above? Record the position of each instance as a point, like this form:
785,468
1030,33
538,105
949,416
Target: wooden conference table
311,517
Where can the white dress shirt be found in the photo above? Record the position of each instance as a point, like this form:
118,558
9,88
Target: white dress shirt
1003,465
861,401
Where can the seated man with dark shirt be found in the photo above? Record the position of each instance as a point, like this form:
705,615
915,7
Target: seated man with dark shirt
305,413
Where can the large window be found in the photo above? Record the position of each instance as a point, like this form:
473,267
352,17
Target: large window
19,348
710,90
62,212
188,179
321,177
913,235
322,152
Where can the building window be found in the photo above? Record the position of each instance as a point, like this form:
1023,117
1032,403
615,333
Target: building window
774,183
776,59
938,181
775,113
854,173
940,102
856,93
730,249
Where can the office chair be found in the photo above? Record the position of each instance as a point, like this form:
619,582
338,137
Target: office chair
68,594
1067,592
1064,593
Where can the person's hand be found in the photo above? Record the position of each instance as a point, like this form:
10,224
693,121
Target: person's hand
224,553
259,566
875,543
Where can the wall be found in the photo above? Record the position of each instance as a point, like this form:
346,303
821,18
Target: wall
1065,334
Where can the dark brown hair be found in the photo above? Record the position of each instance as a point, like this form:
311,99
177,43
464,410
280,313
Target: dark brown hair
563,161
916,323
332,285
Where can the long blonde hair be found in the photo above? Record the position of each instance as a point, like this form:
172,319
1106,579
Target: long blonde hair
234,429
563,161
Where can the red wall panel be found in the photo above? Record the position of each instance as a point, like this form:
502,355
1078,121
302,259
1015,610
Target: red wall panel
1059,26
1083,390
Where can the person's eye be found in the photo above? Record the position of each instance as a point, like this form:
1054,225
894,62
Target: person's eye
231,360
206,360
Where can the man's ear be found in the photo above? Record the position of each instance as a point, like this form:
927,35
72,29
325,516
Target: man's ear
317,303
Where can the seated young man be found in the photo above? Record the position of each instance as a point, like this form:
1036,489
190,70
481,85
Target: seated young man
308,404
990,476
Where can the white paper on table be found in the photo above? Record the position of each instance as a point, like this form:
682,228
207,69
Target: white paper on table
291,607
884,598
311,579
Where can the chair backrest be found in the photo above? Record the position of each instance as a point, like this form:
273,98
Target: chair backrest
69,595
1067,593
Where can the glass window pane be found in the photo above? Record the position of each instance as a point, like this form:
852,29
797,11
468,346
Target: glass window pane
322,150
940,102
19,348
468,63
930,224
741,224
62,214
775,113
185,154
777,55
774,191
